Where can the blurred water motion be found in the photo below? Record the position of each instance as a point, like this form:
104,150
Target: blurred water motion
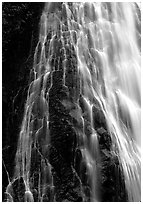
106,40
117,81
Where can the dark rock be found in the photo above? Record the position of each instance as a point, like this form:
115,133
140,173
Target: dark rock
18,190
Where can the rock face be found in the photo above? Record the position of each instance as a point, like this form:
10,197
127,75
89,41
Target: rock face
19,38
64,151
63,137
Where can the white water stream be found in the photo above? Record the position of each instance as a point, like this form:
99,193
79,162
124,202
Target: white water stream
109,61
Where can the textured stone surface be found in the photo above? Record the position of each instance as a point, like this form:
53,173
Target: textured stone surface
19,38
60,125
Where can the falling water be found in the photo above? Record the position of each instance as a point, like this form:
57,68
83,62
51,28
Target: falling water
106,40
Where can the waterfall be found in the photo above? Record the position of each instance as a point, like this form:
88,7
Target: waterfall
90,51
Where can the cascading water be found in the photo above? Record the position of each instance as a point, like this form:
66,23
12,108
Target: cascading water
104,100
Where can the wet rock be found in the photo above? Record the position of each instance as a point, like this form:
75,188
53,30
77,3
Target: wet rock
19,188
